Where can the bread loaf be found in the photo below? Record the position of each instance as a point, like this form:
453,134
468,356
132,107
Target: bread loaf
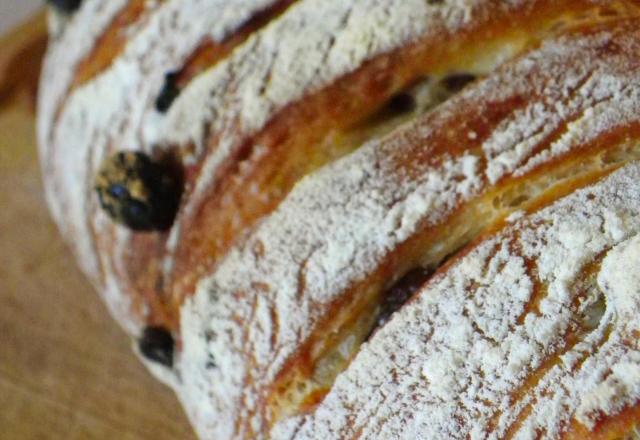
360,219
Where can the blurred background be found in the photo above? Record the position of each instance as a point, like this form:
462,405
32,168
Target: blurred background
66,370
16,11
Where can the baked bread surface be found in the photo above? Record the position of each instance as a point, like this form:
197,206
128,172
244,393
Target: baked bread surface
311,191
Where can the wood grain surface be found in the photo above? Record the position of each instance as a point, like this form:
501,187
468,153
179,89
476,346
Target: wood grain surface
66,370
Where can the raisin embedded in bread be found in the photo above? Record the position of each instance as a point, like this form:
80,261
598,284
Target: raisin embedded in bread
333,155
531,333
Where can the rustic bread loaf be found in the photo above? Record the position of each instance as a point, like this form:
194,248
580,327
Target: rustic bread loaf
262,191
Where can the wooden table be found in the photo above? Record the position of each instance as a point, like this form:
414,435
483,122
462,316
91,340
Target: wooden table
66,369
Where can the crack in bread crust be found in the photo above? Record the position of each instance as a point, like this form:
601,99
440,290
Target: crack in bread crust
111,42
244,176
145,277
73,145
448,378
369,215
292,299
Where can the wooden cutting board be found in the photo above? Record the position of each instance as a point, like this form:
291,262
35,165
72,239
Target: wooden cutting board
66,369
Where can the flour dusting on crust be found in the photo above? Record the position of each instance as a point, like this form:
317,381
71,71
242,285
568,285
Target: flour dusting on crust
338,225
115,111
74,144
458,361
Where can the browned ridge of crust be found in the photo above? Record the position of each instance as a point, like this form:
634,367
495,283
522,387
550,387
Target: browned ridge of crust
369,103
621,424
110,45
319,129
112,41
554,178
210,53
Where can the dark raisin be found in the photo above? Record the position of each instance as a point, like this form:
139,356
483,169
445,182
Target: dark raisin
118,191
138,192
396,296
66,6
168,93
137,215
156,344
456,82
211,362
401,103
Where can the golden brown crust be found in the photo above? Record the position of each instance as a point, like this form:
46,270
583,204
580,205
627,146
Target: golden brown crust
315,131
111,43
578,381
210,52
448,138
621,426
265,336
537,128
